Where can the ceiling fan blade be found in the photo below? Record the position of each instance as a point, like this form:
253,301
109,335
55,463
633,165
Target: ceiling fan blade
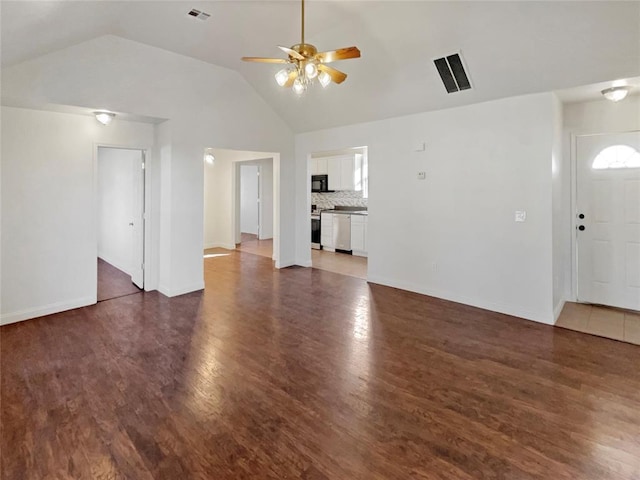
265,60
292,53
336,75
339,54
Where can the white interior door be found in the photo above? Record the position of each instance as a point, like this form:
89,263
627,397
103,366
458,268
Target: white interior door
249,199
608,219
137,223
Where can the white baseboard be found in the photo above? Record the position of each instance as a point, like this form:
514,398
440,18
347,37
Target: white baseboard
558,310
512,310
116,263
228,246
174,292
27,314
305,263
284,263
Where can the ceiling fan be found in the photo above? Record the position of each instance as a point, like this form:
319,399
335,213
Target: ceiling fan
306,64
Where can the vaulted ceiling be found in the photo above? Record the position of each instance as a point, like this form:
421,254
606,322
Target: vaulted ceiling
510,48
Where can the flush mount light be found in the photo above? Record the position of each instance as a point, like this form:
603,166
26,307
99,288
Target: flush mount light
104,118
615,94
209,158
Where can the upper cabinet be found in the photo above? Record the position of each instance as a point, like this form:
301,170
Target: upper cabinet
319,166
345,171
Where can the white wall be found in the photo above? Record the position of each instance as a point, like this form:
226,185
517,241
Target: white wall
586,118
561,189
49,206
249,185
206,105
222,194
116,204
453,235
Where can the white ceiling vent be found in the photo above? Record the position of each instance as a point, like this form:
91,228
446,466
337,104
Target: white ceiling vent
452,72
198,14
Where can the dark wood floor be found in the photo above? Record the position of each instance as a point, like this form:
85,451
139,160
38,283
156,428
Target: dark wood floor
308,374
113,283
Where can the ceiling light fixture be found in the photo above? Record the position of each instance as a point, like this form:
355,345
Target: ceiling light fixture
105,118
615,94
306,64
209,158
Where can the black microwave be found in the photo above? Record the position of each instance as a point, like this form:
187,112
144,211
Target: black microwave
320,183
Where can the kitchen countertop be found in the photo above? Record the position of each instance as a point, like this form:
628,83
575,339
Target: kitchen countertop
347,212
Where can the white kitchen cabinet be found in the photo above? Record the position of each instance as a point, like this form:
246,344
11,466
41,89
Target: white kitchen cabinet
359,235
319,166
322,167
345,172
326,231
335,173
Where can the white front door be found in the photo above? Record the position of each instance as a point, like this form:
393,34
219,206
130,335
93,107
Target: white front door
608,219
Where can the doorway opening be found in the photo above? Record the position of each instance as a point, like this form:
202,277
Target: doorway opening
120,222
241,202
606,237
254,207
338,206
607,220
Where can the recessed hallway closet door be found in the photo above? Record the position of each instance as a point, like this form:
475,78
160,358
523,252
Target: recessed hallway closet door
608,219
120,210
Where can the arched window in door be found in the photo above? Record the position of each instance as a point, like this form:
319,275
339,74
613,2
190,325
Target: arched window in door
617,156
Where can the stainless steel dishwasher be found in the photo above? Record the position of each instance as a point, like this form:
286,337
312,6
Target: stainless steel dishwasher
342,232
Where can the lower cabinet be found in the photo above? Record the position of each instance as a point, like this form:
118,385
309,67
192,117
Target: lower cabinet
359,235
326,231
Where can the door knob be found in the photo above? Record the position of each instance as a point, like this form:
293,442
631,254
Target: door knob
581,228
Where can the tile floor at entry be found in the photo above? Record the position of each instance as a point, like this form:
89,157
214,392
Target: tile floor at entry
617,324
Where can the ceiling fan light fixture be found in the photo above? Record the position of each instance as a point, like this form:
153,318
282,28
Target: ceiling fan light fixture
282,76
324,78
298,86
306,64
615,94
311,70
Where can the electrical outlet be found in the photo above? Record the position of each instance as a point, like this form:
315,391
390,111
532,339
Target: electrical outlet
521,216
422,175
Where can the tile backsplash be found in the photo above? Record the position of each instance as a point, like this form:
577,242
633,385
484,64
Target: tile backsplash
327,201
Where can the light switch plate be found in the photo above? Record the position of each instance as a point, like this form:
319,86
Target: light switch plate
422,175
521,216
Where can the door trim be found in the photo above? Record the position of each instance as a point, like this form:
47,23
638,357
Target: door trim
147,207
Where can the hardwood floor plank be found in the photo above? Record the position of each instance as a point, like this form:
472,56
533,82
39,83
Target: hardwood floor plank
307,374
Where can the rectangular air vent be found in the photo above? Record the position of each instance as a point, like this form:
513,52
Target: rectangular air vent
198,14
452,73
